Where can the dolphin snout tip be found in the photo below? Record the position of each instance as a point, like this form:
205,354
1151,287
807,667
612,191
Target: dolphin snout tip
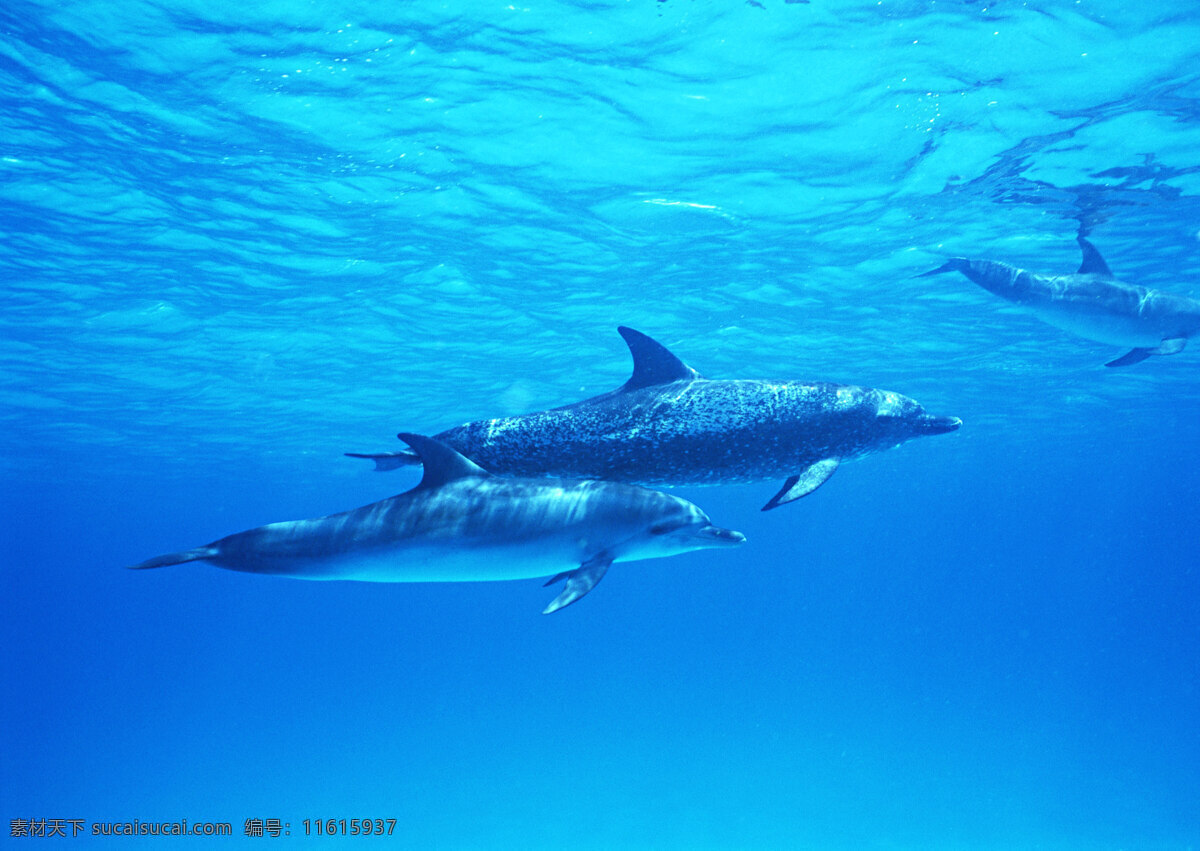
941,425
722,537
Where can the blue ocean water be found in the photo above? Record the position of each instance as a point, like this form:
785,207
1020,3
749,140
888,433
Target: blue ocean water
239,240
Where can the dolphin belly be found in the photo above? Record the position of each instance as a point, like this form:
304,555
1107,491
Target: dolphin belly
1103,326
410,563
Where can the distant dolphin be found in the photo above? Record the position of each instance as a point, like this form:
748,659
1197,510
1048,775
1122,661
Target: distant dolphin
668,426
1092,303
462,524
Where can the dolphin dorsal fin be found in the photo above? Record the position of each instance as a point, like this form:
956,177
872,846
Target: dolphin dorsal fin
653,363
442,464
1093,263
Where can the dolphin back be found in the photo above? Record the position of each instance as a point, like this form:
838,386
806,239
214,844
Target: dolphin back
198,554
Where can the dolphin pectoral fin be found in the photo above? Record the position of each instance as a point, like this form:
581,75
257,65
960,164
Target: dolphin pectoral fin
1172,346
803,484
387,460
579,581
1131,357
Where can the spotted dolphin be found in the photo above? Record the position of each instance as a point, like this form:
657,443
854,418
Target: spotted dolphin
462,524
668,426
1092,303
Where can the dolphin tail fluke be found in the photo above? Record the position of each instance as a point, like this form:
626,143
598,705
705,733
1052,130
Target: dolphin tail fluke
579,581
954,264
385,461
198,554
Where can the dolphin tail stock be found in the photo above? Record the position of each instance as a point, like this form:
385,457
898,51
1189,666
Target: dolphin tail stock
579,581
385,461
197,554
954,264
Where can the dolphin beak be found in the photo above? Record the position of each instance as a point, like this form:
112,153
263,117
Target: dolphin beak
939,425
715,536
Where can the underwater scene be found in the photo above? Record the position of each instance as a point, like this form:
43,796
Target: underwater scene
712,424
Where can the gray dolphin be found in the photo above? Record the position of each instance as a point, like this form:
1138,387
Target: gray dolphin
462,524
1091,303
668,426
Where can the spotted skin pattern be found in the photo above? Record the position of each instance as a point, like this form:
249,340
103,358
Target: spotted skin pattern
668,426
696,432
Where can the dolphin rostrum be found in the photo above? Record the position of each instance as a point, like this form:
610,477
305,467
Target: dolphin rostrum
1092,303
668,426
463,524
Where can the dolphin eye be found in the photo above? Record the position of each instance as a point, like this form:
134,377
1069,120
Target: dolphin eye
661,528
